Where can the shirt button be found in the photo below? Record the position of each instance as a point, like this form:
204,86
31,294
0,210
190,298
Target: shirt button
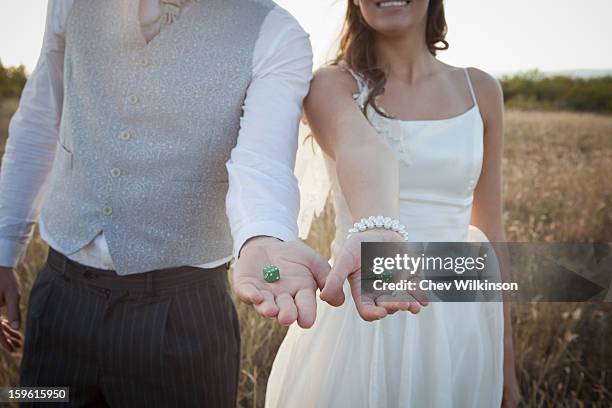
132,99
107,210
143,62
125,135
115,172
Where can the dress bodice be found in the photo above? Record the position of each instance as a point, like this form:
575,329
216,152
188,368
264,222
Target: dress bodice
439,163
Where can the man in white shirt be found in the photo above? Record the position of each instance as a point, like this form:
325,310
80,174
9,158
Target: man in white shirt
140,121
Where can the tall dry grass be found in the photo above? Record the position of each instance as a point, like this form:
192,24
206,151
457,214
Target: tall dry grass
7,107
557,188
557,179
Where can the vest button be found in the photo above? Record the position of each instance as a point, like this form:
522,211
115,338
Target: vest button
115,172
132,99
107,210
143,62
125,135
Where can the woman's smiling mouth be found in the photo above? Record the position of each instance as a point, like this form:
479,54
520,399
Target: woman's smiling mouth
392,4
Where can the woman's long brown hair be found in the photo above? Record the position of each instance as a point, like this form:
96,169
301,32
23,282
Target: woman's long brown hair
357,47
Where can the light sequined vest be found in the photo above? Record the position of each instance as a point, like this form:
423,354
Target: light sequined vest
147,129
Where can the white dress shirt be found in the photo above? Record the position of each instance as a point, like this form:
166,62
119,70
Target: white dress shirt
263,197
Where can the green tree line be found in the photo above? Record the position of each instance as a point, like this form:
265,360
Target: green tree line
531,90
534,90
12,80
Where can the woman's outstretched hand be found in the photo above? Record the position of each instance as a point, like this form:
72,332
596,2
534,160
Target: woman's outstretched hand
293,297
347,265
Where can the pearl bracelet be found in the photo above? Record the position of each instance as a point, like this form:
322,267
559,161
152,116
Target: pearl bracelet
377,222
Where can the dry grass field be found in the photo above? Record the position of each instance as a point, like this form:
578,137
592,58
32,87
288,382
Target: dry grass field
558,187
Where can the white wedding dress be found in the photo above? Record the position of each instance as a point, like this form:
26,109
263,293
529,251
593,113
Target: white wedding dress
449,355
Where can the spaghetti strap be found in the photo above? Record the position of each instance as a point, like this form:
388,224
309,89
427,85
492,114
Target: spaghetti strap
467,75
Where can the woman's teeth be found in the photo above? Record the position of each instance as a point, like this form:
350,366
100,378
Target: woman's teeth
389,4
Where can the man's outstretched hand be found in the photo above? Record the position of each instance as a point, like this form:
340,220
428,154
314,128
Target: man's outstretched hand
293,297
10,337
347,265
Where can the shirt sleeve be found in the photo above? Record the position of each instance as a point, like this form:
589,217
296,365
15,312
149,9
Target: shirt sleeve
30,147
263,196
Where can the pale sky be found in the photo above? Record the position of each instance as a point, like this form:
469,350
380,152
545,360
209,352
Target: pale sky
494,35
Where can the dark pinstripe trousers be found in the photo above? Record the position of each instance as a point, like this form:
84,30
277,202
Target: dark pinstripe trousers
166,338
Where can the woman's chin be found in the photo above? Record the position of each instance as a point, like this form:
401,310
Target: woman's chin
394,26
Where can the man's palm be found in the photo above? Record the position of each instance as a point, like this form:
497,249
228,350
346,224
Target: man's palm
291,298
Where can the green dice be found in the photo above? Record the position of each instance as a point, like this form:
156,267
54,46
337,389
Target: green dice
387,276
271,273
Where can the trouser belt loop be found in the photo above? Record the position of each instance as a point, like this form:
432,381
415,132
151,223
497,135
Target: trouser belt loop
150,282
59,262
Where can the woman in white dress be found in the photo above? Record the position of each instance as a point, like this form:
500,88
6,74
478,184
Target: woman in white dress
394,121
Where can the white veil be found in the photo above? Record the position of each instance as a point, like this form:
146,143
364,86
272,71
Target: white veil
313,180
